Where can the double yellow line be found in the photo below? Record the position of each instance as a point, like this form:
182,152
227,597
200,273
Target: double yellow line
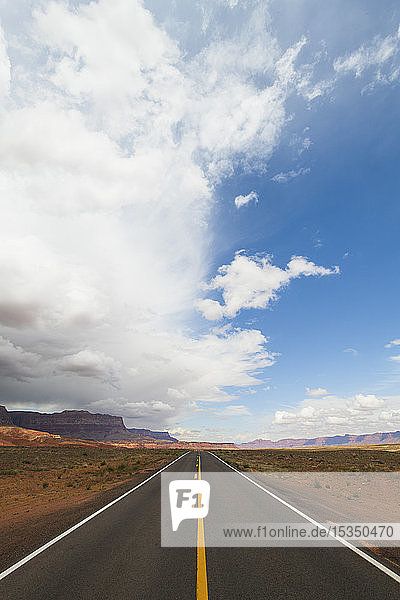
202,591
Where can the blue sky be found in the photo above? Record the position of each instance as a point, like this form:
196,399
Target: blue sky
133,283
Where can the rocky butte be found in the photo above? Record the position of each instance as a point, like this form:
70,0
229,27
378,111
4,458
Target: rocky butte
79,424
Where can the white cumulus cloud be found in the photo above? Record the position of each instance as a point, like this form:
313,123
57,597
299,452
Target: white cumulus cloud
243,200
330,415
253,282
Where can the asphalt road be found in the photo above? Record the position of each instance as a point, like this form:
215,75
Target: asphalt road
117,555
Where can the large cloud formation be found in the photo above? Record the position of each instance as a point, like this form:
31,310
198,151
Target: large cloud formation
112,140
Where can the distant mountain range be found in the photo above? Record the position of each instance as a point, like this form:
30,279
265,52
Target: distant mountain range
79,424
83,425
82,428
392,437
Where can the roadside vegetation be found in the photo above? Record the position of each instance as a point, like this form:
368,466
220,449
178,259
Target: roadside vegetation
372,458
36,480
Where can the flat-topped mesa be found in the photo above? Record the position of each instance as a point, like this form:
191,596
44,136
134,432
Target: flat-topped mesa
79,424
156,435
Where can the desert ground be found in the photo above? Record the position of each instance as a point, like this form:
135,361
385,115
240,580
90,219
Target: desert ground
351,458
45,490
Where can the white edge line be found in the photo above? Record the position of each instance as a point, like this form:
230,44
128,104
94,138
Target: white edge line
348,545
23,561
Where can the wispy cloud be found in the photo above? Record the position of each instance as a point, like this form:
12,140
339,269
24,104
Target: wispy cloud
377,53
351,351
289,175
316,392
381,57
395,342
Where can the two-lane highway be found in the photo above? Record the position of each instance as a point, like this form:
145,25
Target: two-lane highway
118,555
290,573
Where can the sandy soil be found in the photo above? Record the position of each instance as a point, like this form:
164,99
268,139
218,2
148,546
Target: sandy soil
43,491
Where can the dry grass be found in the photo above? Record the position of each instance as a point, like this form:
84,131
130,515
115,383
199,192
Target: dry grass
41,480
356,458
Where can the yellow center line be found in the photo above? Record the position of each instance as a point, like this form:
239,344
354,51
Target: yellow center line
202,591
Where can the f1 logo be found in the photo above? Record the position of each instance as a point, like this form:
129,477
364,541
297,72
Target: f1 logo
189,499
